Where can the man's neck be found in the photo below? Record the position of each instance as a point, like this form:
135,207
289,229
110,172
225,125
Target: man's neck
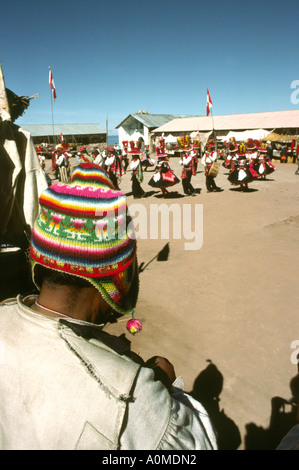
84,304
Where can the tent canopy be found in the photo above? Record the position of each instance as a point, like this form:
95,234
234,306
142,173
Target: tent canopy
242,136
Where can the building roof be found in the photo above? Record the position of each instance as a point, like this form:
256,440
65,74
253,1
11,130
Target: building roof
39,130
265,120
153,120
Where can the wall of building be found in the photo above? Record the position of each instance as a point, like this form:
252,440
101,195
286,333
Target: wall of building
130,134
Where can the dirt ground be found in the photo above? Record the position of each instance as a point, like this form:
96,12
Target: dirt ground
225,314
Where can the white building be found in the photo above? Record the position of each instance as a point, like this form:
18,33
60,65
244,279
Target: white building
139,126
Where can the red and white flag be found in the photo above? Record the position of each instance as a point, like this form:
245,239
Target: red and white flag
52,84
209,102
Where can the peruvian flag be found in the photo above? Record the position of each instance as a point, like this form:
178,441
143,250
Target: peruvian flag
209,102
52,84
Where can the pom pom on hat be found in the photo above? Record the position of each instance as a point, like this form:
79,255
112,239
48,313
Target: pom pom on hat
134,325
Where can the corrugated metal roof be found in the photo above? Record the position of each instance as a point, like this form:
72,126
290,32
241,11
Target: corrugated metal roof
153,120
266,120
37,130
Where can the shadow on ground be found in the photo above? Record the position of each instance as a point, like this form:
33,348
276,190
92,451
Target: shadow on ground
207,388
284,415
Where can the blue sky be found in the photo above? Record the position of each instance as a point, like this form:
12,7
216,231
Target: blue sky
113,58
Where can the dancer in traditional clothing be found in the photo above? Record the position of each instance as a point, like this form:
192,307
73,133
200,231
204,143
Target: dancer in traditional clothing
241,175
265,166
114,169
137,174
55,156
208,158
188,170
253,156
64,168
100,160
84,156
124,156
95,153
251,149
146,161
231,148
195,159
163,176
242,171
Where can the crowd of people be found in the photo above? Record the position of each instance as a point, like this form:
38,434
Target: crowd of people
245,162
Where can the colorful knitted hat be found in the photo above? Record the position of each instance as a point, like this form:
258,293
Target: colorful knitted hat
263,148
242,150
84,229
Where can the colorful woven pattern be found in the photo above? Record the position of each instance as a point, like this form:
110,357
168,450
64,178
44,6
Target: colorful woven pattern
84,229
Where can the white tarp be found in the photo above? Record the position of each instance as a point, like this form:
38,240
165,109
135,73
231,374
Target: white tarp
242,136
202,136
170,139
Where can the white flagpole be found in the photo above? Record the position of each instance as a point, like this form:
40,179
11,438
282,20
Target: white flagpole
51,91
210,112
107,130
214,132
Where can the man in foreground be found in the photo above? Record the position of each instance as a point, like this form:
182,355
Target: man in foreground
64,382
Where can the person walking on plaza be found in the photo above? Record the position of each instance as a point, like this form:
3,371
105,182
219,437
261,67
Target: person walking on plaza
208,158
55,156
137,173
284,154
163,177
187,163
66,384
113,167
269,150
124,158
146,161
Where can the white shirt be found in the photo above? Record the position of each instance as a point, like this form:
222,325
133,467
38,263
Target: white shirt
61,160
99,160
185,160
209,158
134,164
109,160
